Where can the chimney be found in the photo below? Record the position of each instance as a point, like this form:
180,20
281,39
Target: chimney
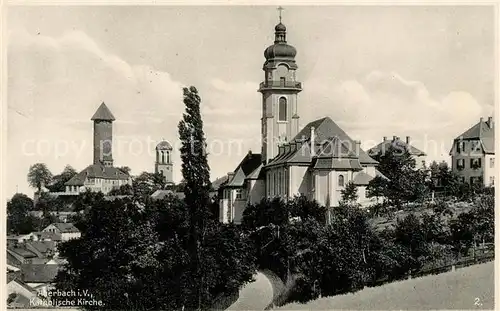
490,122
281,149
408,140
357,146
313,141
385,138
230,176
394,138
481,120
249,153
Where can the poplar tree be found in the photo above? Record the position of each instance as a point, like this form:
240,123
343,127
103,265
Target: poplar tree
196,174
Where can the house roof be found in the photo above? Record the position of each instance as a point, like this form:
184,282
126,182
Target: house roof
65,227
97,171
164,145
21,251
42,246
396,143
38,273
103,114
161,194
480,131
337,163
17,277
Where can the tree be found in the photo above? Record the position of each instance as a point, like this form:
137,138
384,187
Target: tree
196,173
39,176
18,219
146,184
125,169
349,193
410,234
58,182
377,187
122,190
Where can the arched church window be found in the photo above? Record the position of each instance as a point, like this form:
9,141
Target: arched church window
168,156
282,109
341,180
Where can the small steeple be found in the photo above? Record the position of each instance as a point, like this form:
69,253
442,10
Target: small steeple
103,114
280,30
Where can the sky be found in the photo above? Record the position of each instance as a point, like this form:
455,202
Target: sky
423,72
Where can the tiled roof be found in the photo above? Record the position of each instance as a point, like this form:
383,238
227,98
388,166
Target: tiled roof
246,167
66,227
21,251
39,273
42,246
97,171
103,114
337,163
17,277
483,132
161,194
397,143
257,173
324,130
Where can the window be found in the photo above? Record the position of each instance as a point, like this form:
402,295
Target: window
282,81
168,157
492,163
492,180
475,163
460,164
275,184
279,183
476,146
282,109
341,180
239,194
460,146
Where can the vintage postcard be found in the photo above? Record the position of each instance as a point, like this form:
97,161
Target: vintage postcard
250,157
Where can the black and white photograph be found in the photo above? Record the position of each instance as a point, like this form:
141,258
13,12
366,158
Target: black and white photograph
231,156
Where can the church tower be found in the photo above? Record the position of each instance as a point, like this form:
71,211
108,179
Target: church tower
103,136
163,163
280,119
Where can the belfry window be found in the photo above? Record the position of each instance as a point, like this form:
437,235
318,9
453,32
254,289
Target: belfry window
282,109
341,180
168,157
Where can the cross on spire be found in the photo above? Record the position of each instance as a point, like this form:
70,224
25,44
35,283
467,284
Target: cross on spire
280,9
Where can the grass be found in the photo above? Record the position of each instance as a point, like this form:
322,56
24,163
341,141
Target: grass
465,289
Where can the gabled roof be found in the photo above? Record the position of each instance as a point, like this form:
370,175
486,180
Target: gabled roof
396,143
216,184
103,114
53,236
21,251
42,247
39,273
65,227
97,171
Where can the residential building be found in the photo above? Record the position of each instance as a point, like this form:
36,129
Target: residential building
19,293
399,145
317,161
101,175
67,230
473,153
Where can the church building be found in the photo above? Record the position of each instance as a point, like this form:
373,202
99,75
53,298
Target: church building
163,162
101,175
317,161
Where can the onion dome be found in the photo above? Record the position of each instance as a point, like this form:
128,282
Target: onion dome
164,145
280,49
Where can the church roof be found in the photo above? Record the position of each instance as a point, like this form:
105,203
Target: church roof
103,114
246,169
386,144
97,171
330,141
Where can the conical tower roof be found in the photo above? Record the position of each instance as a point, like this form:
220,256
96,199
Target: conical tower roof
103,114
